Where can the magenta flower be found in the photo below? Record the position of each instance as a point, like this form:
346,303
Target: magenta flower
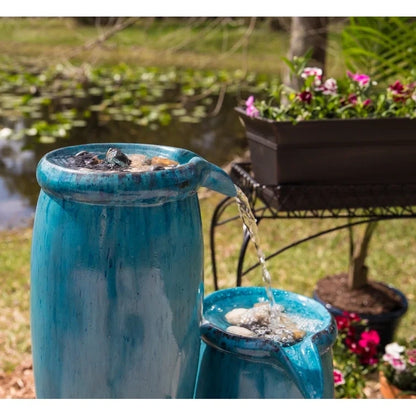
251,110
369,338
338,377
397,87
366,102
368,343
361,79
352,98
305,97
400,92
345,320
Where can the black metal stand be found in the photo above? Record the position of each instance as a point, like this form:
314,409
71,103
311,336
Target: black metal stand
358,204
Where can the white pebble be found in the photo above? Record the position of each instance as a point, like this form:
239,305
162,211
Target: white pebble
240,330
234,316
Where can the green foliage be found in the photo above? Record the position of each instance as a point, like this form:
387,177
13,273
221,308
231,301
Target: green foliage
383,47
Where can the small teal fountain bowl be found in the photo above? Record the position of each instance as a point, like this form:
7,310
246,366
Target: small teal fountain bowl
234,366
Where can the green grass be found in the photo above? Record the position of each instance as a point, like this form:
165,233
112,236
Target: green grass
168,42
14,297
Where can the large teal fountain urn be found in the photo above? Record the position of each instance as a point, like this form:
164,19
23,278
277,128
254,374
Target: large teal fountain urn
117,276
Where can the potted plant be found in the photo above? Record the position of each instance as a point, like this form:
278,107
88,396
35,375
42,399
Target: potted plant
355,356
398,370
381,305
343,133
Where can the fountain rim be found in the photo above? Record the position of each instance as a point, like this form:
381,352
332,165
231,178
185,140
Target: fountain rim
259,348
123,187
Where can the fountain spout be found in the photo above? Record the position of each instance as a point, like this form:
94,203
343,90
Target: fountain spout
213,177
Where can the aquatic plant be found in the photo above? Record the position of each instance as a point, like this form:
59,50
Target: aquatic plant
55,100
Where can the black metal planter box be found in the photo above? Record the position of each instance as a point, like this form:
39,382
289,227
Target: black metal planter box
329,152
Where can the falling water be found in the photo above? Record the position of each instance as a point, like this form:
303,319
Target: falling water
250,224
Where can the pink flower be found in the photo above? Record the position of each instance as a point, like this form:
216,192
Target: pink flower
366,102
397,363
361,79
251,110
330,87
338,377
411,353
411,356
250,101
305,96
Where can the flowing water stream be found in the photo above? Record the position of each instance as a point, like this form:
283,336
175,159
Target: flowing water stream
250,224
265,319
292,332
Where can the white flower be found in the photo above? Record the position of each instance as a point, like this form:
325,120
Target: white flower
394,349
312,72
330,87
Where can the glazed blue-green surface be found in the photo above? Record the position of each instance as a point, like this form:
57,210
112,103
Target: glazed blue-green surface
117,276
233,366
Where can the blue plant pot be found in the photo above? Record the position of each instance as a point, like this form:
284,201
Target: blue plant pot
233,366
117,276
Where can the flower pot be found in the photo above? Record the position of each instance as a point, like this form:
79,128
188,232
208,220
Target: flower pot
389,391
384,323
334,151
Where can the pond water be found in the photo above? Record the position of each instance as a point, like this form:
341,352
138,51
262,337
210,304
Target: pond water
218,139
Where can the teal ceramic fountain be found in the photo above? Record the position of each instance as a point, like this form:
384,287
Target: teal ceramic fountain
235,366
117,276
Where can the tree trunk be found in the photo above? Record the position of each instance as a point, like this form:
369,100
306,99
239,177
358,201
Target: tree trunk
358,271
307,33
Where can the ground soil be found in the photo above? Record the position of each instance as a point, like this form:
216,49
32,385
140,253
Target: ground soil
19,384
374,298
